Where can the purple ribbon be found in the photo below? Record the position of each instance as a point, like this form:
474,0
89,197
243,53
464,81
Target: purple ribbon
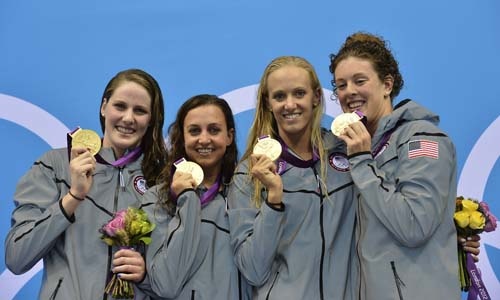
209,195
383,142
287,157
122,161
477,288
129,157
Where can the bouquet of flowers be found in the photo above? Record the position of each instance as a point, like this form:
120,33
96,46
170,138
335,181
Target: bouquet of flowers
472,217
128,228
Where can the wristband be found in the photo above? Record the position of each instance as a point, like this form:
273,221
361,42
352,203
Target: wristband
75,197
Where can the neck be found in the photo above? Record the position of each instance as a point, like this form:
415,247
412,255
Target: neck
371,127
300,146
210,177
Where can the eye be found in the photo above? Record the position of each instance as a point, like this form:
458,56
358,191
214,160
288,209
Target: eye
120,106
141,111
193,131
360,81
300,93
214,130
279,96
340,86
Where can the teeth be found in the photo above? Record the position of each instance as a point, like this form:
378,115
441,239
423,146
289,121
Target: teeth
203,151
291,116
124,130
354,105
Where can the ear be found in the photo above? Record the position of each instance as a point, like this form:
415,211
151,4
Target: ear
103,106
388,84
317,98
230,137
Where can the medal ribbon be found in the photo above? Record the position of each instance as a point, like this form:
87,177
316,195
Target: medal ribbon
209,194
131,156
122,161
287,157
381,144
477,287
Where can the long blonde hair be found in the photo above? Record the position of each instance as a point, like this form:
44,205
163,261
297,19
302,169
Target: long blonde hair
265,124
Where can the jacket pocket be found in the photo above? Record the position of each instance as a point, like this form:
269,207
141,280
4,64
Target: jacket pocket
54,293
272,285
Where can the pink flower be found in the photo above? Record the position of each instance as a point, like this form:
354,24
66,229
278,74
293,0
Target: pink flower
491,220
117,223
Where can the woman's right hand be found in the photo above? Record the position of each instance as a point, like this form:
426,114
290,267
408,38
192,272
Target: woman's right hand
82,167
182,181
264,169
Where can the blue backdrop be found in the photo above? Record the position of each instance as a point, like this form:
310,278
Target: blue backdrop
56,57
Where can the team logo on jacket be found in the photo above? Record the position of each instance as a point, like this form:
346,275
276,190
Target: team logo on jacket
140,184
339,162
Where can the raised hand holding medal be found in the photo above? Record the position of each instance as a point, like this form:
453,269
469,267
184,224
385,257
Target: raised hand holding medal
342,121
268,147
182,165
86,138
83,145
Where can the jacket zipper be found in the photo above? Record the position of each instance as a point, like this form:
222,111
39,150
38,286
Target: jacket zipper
398,280
321,232
192,294
358,231
121,184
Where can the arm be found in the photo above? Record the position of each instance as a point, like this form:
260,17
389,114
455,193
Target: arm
40,217
255,233
414,200
175,252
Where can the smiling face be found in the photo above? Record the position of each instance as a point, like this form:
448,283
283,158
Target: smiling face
206,137
360,88
127,114
292,100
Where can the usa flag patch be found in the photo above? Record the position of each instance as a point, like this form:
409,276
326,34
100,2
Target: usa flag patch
423,148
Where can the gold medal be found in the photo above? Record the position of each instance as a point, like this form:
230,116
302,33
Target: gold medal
341,122
86,138
269,147
192,168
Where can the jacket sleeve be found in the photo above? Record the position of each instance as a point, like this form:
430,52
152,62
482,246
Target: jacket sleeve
175,252
255,233
410,196
37,220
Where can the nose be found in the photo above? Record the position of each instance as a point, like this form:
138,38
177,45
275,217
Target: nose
290,103
128,116
204,138
351,89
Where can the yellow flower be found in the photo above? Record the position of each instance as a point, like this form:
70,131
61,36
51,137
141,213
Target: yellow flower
477,220
469,205
462,218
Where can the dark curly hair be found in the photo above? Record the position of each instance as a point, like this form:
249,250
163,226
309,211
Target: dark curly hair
375,49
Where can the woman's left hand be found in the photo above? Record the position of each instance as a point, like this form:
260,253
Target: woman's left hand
129,264
471,245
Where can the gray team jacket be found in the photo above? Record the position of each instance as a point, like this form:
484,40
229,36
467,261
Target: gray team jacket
76,261
303,251
406,238
190,256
